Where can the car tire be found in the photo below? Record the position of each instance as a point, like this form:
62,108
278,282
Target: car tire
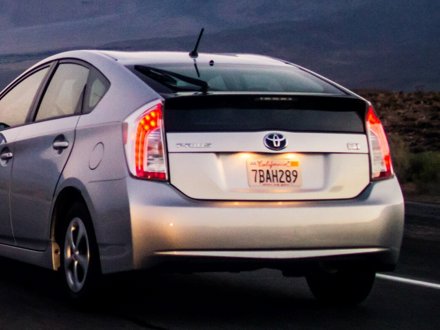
341,287
80,267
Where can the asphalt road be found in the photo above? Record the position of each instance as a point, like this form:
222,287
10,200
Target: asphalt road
31,299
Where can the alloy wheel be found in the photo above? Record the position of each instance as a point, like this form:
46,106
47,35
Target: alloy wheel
76,255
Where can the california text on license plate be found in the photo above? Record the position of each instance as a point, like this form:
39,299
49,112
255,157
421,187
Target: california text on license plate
269,172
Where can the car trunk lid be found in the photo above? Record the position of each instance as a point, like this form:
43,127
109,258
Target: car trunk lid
266,146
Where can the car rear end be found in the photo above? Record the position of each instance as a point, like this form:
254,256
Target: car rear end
241,179
213,190
296,176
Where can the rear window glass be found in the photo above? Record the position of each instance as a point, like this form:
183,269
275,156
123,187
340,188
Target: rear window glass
239,78
249,113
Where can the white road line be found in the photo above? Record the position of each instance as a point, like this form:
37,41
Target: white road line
408,281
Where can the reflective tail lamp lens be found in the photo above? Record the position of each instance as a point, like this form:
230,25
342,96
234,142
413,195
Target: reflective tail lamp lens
381,166
144,144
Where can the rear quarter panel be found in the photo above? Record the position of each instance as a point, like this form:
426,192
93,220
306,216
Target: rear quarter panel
97,166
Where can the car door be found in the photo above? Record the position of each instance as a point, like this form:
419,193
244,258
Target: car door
41,152
15,104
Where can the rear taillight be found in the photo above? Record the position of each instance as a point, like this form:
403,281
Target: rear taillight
381,166
144,142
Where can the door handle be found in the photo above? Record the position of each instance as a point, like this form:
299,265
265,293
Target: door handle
58,145
6,156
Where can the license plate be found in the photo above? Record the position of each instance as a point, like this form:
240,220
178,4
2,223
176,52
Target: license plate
273,172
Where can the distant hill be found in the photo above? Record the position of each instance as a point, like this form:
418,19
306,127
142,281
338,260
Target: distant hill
329,49
391,45
411,119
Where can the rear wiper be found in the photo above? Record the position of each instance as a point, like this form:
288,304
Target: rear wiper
170,79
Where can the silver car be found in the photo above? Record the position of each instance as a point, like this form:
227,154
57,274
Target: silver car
119,161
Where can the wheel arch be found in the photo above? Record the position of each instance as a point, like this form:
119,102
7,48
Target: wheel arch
66,198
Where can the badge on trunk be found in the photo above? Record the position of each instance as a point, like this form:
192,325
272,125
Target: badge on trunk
275,141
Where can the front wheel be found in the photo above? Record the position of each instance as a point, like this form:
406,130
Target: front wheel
79,254
343,287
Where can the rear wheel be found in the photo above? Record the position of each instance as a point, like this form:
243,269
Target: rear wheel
79,254
343,287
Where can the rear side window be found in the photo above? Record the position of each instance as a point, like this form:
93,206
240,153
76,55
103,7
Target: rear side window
97,87
65,93
15,105
97,90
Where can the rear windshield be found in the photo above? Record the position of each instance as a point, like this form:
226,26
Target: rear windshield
250,113
235,78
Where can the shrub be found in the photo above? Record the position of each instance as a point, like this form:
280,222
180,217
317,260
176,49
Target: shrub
421,169
401,158
424,171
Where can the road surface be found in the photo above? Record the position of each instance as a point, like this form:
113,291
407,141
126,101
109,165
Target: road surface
408,298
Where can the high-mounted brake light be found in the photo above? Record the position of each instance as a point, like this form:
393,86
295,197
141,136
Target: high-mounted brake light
381,165
144,144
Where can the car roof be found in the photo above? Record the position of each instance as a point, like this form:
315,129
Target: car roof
104,59
183,57
169,57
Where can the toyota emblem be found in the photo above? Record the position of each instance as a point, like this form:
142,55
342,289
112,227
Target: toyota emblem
275,141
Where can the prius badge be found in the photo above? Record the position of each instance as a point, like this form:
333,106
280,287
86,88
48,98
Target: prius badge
275,141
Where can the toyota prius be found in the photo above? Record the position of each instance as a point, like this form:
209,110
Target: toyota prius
119,161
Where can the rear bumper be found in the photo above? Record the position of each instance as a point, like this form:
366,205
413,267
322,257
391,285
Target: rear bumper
167,227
